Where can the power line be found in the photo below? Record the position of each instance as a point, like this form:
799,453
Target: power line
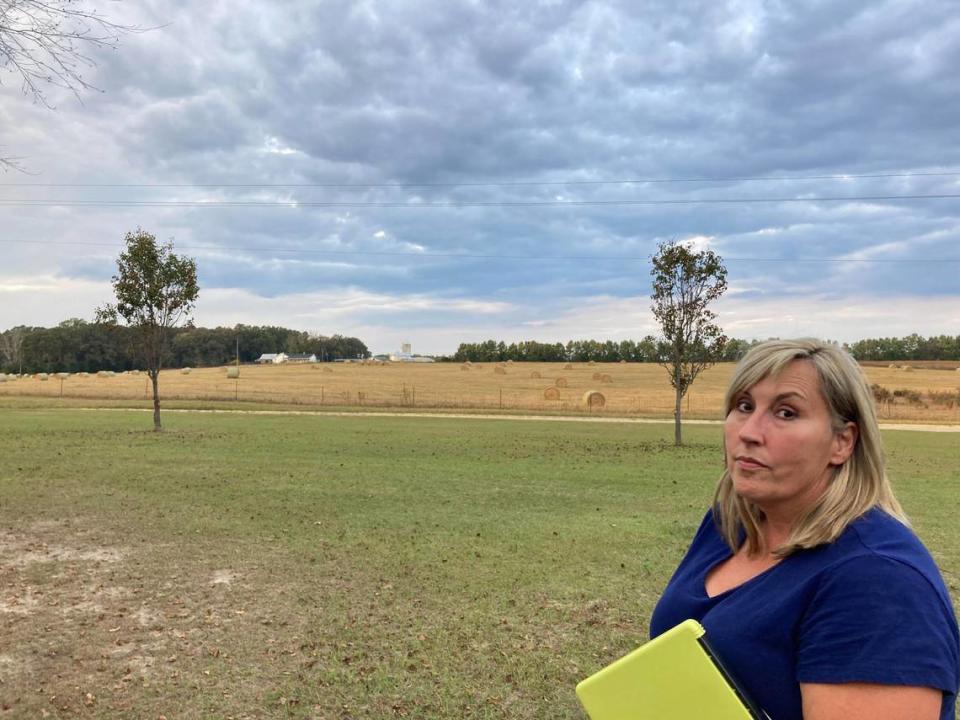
464,204
522,183
491,256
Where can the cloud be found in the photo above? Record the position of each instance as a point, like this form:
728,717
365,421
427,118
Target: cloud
438,103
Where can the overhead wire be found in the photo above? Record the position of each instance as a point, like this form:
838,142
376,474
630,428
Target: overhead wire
487,256
509,183
465,204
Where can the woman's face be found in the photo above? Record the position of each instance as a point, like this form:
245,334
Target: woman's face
781,447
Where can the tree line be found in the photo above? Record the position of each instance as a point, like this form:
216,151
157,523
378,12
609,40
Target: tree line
650,349
76,345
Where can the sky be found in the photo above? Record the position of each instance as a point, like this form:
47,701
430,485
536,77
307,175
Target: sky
448,171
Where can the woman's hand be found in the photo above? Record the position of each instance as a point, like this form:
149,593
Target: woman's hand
867,701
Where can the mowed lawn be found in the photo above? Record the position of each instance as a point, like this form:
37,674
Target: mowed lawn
351,567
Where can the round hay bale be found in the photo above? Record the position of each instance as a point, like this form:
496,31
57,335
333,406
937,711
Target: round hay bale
63,376
233,373
535,375
606,378
3,378
623,362
593,399
509,362
500,370
551,393
467,362
103,374
596,376
185,371
891,366
568,366
907,368
328,369
560,382
43,377
134,372
592,363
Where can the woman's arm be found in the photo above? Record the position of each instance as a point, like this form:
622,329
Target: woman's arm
867,701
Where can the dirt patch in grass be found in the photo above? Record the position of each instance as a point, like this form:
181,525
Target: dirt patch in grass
95,629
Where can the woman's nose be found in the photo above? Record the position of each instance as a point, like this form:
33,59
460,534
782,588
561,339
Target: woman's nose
751,429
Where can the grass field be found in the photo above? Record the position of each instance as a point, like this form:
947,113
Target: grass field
351,567
926,394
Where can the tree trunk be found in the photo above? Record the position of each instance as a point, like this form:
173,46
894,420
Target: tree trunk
677,439
156,403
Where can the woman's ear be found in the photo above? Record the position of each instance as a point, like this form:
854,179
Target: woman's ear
843,443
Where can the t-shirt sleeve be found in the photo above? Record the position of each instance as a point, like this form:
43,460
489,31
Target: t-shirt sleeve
875,619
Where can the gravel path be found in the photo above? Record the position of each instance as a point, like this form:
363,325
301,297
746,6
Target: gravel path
919,427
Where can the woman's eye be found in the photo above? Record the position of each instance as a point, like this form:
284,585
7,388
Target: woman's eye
786,413
743,406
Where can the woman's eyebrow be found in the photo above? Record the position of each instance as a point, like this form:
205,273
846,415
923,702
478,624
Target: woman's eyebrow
790,394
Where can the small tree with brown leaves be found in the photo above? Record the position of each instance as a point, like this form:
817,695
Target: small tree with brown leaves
156,291
685,282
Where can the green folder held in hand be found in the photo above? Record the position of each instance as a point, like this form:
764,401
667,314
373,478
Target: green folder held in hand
673,677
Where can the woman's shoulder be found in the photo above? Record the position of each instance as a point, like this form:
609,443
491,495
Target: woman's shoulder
878,543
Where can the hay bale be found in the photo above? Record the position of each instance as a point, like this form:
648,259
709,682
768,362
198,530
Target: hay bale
591,363
103,374
185,371
328,369
907,368
568,366
606,378
593,399
500,370
535,375
134,372
560,382
43,377
3,378
63,376
596,376
551,393
233,373
623,362
509,362
891,366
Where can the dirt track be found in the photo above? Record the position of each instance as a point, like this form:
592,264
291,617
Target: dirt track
546,418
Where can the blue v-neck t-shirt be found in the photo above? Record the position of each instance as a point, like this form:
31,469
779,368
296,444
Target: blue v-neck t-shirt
869,607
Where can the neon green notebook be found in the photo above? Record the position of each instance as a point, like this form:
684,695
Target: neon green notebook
674,676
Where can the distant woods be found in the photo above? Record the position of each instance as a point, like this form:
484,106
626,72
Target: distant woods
649,349
80,346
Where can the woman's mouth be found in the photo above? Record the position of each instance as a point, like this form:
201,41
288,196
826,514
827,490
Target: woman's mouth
745,462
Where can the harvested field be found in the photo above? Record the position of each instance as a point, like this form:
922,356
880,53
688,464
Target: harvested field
634,389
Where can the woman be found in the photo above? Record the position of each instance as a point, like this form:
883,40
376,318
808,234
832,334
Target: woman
812,588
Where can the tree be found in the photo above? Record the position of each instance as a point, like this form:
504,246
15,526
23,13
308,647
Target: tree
11,347
46,43
155,291
685,282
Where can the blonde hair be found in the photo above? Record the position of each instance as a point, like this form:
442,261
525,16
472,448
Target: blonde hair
857,486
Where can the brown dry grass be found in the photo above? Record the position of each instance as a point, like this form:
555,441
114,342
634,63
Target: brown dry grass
635,388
